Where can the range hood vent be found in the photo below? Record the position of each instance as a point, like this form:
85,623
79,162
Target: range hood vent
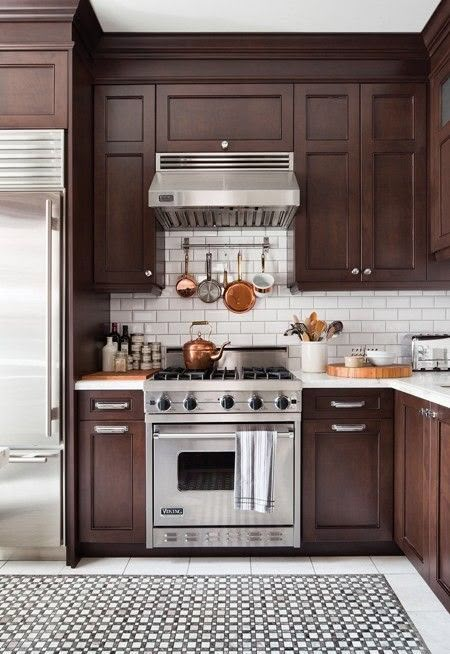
224,190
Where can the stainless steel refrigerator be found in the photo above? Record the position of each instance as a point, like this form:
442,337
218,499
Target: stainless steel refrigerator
31,347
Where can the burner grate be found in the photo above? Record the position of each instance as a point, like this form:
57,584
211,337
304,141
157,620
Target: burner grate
266,373
191,375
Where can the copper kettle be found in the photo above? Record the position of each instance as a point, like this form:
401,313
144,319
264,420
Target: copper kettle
200,354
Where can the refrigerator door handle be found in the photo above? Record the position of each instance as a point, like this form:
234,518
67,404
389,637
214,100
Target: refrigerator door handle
48,320
27,459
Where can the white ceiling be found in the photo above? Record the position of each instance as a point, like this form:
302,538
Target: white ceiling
263,15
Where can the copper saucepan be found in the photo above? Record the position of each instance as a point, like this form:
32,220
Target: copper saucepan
186,284
239,296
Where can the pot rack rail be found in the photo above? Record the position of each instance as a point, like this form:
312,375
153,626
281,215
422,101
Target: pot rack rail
187,245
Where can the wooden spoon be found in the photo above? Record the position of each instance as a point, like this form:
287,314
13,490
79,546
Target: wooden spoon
319,328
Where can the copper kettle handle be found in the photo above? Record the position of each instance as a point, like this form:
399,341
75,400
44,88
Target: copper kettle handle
199,322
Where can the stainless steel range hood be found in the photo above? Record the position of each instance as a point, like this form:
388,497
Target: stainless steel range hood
232,190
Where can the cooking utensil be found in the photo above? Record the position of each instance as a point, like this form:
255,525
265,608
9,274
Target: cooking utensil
209,290
263,282
334,329
319,329
239,296
186,284
200,354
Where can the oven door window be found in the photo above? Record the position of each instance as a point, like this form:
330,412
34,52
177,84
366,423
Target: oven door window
205,471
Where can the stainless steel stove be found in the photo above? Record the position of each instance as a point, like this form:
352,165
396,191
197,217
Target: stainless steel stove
191,420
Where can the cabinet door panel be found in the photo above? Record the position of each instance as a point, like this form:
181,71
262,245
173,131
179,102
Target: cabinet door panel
393,182
33,90
126,233
440,504
440,161
112,483
198,117
347,481
327,226
411,480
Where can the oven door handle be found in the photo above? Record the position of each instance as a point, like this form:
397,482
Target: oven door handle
193,436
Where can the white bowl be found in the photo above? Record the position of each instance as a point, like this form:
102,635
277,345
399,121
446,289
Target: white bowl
381,358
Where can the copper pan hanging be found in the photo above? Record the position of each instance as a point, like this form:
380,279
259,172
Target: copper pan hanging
186,284
239,296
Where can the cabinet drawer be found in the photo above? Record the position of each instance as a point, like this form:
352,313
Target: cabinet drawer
341,402
111,405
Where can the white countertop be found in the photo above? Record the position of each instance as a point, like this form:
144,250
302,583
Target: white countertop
426,385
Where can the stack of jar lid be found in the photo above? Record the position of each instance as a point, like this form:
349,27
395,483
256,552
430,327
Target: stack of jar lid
144,356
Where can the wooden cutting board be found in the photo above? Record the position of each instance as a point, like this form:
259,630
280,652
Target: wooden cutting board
370,372
130,375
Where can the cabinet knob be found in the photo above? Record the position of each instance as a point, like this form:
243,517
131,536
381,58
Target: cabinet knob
148,273
224,145
355,271
367,271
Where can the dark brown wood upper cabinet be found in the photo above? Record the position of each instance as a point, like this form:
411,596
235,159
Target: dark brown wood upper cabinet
360,156
33,90
250,117
393,182
412,458
327,166
127,253
440,161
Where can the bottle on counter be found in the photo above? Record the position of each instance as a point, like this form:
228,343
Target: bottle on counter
125,339
109,352
114,334
120,362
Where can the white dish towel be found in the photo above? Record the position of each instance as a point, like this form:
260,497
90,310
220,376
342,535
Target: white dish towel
254,469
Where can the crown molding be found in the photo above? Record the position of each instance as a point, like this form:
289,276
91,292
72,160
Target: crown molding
38,10
260,46
437,30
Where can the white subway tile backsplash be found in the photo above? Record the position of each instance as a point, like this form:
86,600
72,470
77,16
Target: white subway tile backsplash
380,318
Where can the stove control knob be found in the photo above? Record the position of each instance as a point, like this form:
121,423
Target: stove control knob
255,403
282,402
163,403
227,402
190,403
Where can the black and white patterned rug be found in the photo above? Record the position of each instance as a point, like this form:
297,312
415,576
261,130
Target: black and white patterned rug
357,614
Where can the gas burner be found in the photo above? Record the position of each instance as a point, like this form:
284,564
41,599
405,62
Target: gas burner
224,373
266,373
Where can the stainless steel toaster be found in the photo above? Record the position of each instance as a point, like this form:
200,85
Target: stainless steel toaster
431,352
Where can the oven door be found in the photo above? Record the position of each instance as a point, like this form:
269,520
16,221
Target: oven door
193,482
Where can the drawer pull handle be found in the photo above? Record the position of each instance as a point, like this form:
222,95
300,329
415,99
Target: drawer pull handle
111,406
361,427
110,429
347,405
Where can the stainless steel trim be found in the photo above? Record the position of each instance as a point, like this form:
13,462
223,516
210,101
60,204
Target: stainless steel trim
166,161
209,436
110,429
360,427
244,536
347,405
27,459
111,406
31,159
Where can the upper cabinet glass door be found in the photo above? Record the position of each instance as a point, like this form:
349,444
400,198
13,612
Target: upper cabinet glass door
445,102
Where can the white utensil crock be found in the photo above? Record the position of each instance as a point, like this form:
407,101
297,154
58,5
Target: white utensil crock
314,356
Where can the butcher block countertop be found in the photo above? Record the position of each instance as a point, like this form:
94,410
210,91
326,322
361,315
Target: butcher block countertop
426,385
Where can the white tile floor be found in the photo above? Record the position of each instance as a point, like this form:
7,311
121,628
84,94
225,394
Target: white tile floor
427,613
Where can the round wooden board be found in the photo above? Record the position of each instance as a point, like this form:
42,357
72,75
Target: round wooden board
370,372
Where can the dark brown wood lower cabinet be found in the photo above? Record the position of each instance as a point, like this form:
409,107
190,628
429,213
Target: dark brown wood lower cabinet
347,480
440,503
111,482
412,479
